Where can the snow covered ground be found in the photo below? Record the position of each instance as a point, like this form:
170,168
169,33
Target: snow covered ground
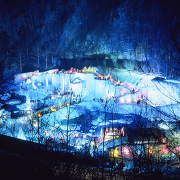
78,105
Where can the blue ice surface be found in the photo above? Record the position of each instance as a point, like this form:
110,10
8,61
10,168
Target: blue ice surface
90,115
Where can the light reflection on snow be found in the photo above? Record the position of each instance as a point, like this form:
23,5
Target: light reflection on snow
88,94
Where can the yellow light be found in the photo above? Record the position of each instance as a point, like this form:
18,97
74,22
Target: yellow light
97,146
116,152
39,114
150,149
53,97
53,109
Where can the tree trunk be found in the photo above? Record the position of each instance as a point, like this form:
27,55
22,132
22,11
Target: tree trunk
20,63
52,59
46,61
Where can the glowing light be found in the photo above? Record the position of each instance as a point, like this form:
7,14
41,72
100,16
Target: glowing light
53,109
176,149
166,126
53,97
107,130
122,131
39,114
165,150
76,135
114,153
126,150
150,149
79,147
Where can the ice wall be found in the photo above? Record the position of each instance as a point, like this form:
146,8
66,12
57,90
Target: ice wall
163,93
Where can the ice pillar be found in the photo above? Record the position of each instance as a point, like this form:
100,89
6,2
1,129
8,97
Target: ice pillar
21,134
27,99
47,81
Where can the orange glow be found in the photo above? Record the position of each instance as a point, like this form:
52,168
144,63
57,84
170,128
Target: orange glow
163,140
53,109
150,149
114,153
39,114
53,97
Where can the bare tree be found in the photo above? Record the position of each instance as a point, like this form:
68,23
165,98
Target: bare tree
20,59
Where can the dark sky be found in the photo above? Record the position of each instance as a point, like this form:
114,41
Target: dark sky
124,29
